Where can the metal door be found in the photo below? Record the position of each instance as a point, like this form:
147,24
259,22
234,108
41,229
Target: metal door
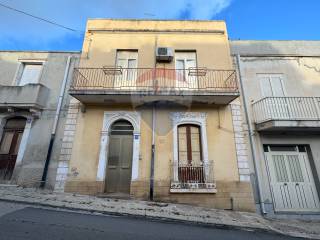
9,146
291,181
118,175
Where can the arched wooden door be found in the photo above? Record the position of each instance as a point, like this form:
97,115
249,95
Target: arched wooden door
9,146
119,167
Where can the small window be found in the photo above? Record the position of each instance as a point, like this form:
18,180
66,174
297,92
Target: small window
30,74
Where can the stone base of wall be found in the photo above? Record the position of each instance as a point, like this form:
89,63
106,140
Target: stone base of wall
84,187
140,189
230,195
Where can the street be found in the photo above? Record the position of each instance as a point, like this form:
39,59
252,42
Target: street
19,221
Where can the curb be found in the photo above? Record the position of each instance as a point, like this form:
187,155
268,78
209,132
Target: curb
154,218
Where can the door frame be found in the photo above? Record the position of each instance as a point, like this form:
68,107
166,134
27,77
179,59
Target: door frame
314,174
109,118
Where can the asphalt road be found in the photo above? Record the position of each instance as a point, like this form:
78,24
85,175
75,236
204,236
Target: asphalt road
19,221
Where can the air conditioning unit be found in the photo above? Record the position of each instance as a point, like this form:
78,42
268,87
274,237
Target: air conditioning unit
164,54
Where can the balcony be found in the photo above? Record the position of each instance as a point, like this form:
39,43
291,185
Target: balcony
287,113
142,85
30,96
192,178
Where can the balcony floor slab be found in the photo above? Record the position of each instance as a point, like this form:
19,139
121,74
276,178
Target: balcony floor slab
289,125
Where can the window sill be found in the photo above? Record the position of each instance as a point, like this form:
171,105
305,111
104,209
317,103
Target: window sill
193,188
196,190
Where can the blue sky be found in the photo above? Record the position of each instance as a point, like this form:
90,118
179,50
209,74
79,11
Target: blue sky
246,19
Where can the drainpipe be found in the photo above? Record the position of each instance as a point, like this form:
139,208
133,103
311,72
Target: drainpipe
152,151
55,123
251,140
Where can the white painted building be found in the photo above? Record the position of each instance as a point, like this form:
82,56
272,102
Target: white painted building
281,92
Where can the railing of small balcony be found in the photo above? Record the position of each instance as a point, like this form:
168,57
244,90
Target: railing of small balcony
286,108
192,175
156,80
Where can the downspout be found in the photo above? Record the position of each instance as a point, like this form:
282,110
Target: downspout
152,152
251,140
55,123
153,149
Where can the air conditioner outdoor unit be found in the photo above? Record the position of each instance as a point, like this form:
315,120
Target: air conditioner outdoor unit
164,54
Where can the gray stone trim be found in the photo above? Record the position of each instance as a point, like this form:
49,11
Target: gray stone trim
240,141
66,146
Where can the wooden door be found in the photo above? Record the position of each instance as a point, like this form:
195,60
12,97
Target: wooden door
9,146
118,175
291,181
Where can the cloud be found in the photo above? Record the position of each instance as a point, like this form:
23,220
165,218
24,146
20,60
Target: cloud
17,29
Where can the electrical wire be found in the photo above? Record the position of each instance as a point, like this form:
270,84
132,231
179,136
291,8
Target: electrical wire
40,18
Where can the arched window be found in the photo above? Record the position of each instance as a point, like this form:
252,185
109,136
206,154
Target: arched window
121,127
9,145
189,144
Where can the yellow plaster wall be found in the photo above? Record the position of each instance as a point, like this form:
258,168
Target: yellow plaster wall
210,41
104,37
221,146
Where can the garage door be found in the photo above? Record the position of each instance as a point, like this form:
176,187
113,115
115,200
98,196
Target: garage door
291,180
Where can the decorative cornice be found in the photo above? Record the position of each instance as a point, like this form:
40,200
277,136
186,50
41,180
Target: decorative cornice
177,117
111,117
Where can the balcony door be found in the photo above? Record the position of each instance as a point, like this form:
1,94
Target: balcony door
190,154
272,88
127,62
31,74
9,146
184,62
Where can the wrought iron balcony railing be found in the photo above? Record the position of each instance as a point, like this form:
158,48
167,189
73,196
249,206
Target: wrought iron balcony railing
154,80
192,176
286,108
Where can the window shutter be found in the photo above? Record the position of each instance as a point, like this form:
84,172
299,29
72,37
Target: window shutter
31,74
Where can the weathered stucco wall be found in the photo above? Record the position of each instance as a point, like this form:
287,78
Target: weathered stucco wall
104,37
210,41
30,170
299,64
221,149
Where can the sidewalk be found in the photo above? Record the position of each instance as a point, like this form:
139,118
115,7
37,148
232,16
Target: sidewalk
173,212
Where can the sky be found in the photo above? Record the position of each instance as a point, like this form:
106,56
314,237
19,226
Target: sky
246,19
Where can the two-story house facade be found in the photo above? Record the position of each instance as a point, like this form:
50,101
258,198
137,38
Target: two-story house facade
33,104
156,117
281,96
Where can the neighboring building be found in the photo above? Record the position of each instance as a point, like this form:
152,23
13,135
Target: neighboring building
31,90
281,81
156,120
